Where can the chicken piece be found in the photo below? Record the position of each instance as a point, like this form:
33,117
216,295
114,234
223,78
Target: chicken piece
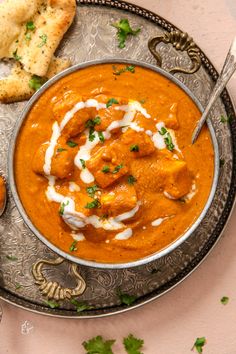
62,162
177,179
108,115
120,199
139,142
78,122
107,166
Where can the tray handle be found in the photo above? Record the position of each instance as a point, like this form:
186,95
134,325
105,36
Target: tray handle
180,41
52,289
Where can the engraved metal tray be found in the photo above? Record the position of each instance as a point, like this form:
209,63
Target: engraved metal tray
92,37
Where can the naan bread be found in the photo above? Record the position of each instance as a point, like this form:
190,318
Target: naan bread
34,48
16,87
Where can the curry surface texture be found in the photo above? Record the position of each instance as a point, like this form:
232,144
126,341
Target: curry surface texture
104,164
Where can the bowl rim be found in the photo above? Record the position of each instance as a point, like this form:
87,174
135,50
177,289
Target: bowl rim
12,147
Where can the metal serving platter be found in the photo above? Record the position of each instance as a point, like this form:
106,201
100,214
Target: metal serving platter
92,37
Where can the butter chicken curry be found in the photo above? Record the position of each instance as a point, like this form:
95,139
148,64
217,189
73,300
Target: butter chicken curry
104,164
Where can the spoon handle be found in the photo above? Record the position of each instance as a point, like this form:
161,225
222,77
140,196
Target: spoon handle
226,73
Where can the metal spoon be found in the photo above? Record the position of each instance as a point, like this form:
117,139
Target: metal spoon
3,195
226,73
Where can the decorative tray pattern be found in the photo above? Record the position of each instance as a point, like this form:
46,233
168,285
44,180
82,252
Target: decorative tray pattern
92,37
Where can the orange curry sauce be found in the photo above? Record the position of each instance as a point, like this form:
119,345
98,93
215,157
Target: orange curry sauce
149,184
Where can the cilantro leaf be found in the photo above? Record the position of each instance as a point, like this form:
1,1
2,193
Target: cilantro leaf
131,179
62,207
36,82
92,122
73,246
111,101
117,168
224,300
51,304
168,141
134,148
199,344
101,137
82,163
130,68
11,258
61,149
94,204
133,345
126,299
16,56
71,143
98,345
123,30
44,39
30,26
162,131
92,190
226,119
106,169
91,134
80,306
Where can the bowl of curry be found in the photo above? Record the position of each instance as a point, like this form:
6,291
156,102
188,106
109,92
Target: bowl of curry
102,168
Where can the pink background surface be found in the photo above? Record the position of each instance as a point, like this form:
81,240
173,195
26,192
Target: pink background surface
170,324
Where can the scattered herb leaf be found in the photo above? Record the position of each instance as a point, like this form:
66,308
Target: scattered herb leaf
80,306
134,148
73,246
94,204
123,30
101,137
126,299
71,143
131,179
30,26
11,258
224,300
92,190
163,131
51,304
98,345
17,286
61,149
226,119
199,343
92,122
106,169
111,101
82,163
142,101
16,56
36,82
91,134
62,207
168,141
133,345
28,37
222,162
44,38
117,168
129,68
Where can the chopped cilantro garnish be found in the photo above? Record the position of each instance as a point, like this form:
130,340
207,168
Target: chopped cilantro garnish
226,119
130,68
101,137
117,168
222,162
18,286
91,134
61,149
80,306
43,38
131,179
82,163
126,299
123,30
30,26
224,300
133,345
98,345
92,190
142,101
92,122
73,246
11,258
28,37
163,131
199,343
106,169
16,56
71,143
111,101
168,141
36,82
134,148
51,304
94,204
62,207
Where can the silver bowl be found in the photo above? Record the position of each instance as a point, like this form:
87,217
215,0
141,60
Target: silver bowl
22,211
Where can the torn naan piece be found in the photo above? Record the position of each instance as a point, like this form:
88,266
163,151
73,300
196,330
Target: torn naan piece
21,85
31,30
